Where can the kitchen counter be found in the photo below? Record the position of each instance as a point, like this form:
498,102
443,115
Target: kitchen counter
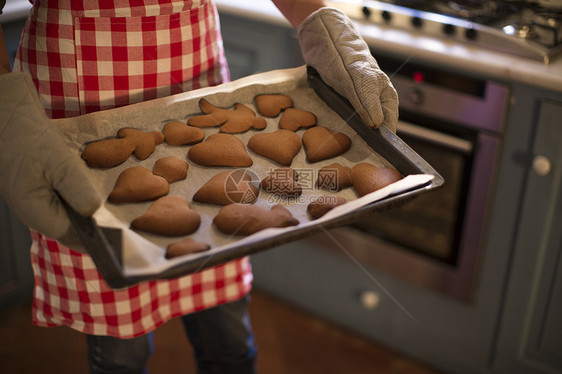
462,56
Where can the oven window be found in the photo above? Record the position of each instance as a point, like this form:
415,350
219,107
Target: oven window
431,223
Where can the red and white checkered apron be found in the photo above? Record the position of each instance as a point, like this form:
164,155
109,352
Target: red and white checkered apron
90,55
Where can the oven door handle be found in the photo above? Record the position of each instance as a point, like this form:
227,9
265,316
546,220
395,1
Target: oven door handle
435,137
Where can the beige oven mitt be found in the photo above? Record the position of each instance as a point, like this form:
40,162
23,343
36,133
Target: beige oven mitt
36,165
331,44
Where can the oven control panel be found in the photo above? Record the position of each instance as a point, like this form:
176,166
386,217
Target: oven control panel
474,103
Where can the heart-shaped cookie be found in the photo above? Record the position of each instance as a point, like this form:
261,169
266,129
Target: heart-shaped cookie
280,146
323,204
107,153
294,119
169,216
179,133
171,168
270,105
368,178
137,183
232,121
184,247
220,150
231,186
282,181
334,177
321,143
145,142
243,219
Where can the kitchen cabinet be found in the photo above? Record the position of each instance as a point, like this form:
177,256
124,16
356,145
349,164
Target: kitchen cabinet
12,32
255,47
16,276
530,338
512,323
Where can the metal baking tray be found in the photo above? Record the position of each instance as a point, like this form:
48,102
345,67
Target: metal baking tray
105,247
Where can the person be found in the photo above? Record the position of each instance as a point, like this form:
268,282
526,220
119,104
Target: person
78,57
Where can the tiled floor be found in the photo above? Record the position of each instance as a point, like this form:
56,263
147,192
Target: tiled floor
289,342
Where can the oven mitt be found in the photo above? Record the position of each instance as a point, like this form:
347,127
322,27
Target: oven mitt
36,165
331,44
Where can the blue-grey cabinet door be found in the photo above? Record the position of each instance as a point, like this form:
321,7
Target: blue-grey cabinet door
530,339
254,47
16,276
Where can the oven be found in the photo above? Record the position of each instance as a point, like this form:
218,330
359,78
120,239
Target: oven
454,122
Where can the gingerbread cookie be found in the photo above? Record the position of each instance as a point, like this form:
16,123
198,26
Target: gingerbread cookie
334,177
169,216
368,178
145,142
231,186
243,219
136,184
232,121
171,168
282,181
220,150
107,153
293,119
323,204
185,247
270,105
321,143
179,133
280,146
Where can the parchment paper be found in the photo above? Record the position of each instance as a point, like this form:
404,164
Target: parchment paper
143,254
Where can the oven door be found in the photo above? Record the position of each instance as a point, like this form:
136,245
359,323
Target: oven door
434,240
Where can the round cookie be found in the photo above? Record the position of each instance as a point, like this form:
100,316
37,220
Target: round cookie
137,184
168,216
321,143
368,178
270,105
243,219
280,146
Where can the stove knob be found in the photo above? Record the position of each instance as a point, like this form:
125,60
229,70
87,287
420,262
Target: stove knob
366,12
471,34
386,15
417,22
416,97
449,29
541,165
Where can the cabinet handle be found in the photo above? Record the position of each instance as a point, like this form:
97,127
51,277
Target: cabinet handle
370,300
541,165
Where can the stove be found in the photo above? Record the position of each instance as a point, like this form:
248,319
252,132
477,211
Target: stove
527,28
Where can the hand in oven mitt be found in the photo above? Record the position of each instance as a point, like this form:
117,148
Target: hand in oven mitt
331,44
36,164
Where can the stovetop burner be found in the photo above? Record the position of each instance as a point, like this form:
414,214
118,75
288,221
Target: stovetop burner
526,28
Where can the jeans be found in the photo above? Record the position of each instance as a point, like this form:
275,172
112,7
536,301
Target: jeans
221,337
